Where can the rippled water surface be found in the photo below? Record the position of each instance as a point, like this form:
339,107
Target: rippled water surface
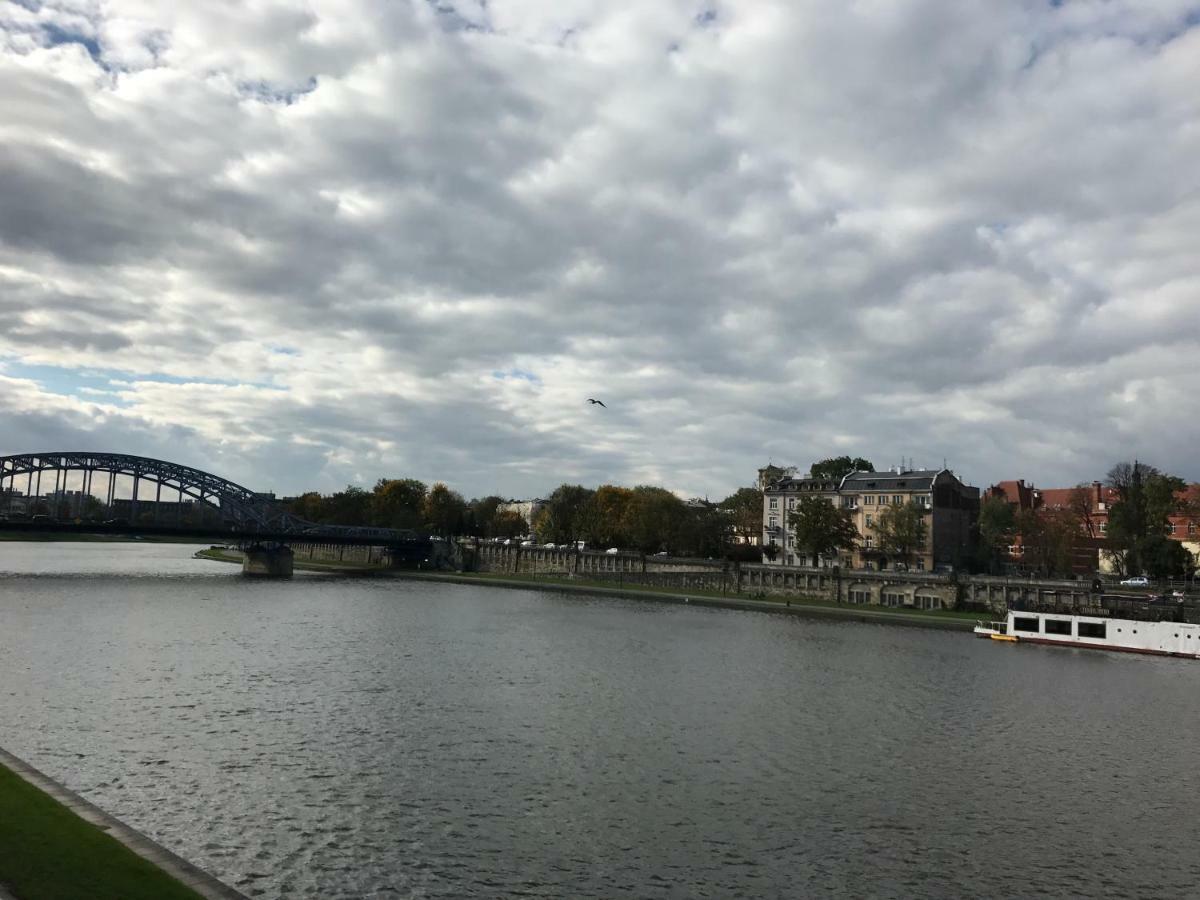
327,737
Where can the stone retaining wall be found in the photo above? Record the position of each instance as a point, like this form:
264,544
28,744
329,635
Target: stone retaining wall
921,590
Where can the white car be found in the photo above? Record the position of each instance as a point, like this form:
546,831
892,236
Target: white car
1136,581
550,546
526,543
612,551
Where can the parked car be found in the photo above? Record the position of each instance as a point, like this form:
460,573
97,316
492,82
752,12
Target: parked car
1136,581
526,543
662,553
612,551
550,546
1178,595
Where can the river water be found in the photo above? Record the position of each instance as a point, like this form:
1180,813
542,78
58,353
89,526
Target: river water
336,737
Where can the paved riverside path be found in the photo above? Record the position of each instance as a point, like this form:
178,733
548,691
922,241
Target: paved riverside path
176,866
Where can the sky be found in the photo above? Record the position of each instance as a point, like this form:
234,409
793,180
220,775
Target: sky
305,245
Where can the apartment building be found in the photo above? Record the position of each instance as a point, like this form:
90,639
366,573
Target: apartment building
951,507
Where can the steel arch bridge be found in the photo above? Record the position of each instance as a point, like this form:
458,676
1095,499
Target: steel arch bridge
238,506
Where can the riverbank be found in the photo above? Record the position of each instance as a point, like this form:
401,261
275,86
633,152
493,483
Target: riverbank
797,606
942,619
80,537
54,845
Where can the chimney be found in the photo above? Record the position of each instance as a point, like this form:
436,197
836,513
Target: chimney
1098,494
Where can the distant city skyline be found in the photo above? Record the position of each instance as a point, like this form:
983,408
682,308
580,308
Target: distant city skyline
310,247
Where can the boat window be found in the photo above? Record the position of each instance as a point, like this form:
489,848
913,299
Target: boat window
1058,626
1094,629
1027,624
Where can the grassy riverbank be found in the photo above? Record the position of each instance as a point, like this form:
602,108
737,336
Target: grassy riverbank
49,853
947,619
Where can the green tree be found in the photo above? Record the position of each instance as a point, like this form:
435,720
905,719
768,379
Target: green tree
653,518
838,467
444,510
745,509
1165,558
997,523
508,523
821,529
603,516
900,530
349,507
561,519
1146,498
398,503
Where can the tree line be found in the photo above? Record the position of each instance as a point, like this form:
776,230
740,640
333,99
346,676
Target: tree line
645,518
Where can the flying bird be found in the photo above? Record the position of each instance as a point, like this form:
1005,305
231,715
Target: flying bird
597,402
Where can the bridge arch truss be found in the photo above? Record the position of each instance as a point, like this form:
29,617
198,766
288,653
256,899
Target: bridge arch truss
236,504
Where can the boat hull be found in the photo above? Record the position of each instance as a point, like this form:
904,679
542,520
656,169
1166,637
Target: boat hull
1177,639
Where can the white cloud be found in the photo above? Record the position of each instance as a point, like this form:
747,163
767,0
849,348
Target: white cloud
310,233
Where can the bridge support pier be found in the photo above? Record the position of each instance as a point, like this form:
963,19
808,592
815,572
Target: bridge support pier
267,561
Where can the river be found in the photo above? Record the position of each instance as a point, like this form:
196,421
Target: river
372,737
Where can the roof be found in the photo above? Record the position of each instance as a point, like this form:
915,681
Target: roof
912,480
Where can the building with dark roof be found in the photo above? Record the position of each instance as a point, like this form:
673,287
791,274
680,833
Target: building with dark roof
950,506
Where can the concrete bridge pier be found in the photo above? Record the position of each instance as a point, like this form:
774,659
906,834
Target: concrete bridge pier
267,561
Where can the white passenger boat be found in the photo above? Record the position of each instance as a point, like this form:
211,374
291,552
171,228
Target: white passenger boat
1096,632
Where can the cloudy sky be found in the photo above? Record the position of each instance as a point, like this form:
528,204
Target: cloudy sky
305,244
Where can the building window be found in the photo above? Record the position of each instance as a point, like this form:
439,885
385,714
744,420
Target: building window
883,500
920,565
869,501
868,542
791,502
1103,527
773,503
897,499
1171,528
870,521
773,522
1191,527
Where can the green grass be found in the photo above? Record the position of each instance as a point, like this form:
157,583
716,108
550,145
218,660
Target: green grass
49,853
631,587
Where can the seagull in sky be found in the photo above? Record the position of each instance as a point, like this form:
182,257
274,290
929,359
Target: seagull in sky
597,402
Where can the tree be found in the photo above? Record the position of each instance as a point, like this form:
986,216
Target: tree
653,518
1164,558
1079,503
508,523
349,507
1048,537
398,503
900,530
821,529
997,523
561,519
444,510
745,509
603,516
838,467
1146,498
